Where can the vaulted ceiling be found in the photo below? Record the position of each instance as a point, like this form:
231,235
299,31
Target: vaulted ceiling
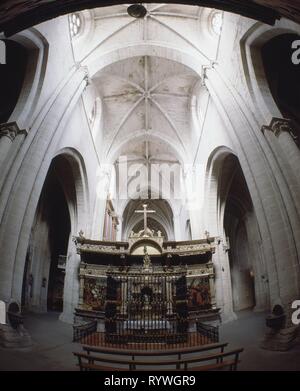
161,219
149,103
143,97
16,15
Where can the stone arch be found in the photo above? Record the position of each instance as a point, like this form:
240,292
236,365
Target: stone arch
163,218
97,60
36,48
30,14
269,190
283,77
80,208
214,165
43,281
140,136
28,173
60,212
143,242
155,223
147,193
12,76
251,45
240,255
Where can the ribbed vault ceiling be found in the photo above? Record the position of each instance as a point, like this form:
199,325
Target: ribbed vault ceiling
147,96
16,15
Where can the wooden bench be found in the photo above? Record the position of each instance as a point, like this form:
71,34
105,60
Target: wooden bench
220,360
155,353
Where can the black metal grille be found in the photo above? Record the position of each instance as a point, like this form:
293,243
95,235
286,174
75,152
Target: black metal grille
209,331
146,307
84,330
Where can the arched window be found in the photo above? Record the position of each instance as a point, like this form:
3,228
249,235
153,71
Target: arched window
12,75
75,24
283,75
217,22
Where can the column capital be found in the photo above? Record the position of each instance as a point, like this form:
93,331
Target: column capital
204,70
10,130
281,125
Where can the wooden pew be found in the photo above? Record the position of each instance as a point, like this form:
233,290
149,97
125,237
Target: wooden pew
155,353
88,362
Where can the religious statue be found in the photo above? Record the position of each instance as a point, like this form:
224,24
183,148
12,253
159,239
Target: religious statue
146,260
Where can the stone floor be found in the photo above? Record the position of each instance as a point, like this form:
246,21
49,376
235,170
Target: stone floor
52,349
247,332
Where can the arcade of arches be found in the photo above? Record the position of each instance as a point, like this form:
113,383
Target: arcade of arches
168,141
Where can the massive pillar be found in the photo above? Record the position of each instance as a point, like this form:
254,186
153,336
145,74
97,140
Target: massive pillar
276,210
27,173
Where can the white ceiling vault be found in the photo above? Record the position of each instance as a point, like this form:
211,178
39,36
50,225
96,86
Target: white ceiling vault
142,98
146,98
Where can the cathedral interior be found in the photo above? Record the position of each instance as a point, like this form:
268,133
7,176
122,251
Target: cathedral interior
149,185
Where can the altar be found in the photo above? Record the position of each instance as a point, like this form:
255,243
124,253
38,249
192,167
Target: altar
146,287
147,325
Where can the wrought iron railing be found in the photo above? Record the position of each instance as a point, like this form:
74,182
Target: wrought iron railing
159,335
208,331
84,330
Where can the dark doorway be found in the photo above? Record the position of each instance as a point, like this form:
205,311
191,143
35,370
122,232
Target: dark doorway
59,232
239,215
44,275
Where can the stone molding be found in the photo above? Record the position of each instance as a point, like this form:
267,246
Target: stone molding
183,249
11,130
281,125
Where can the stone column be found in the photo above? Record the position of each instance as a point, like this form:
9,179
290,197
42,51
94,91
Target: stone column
284,142
114,222
73,288
222,283
177,227
28,172
106,224
274,204
110,226
8,132
271,190
119,230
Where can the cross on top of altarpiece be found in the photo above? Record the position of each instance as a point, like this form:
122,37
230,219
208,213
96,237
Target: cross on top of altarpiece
145,212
